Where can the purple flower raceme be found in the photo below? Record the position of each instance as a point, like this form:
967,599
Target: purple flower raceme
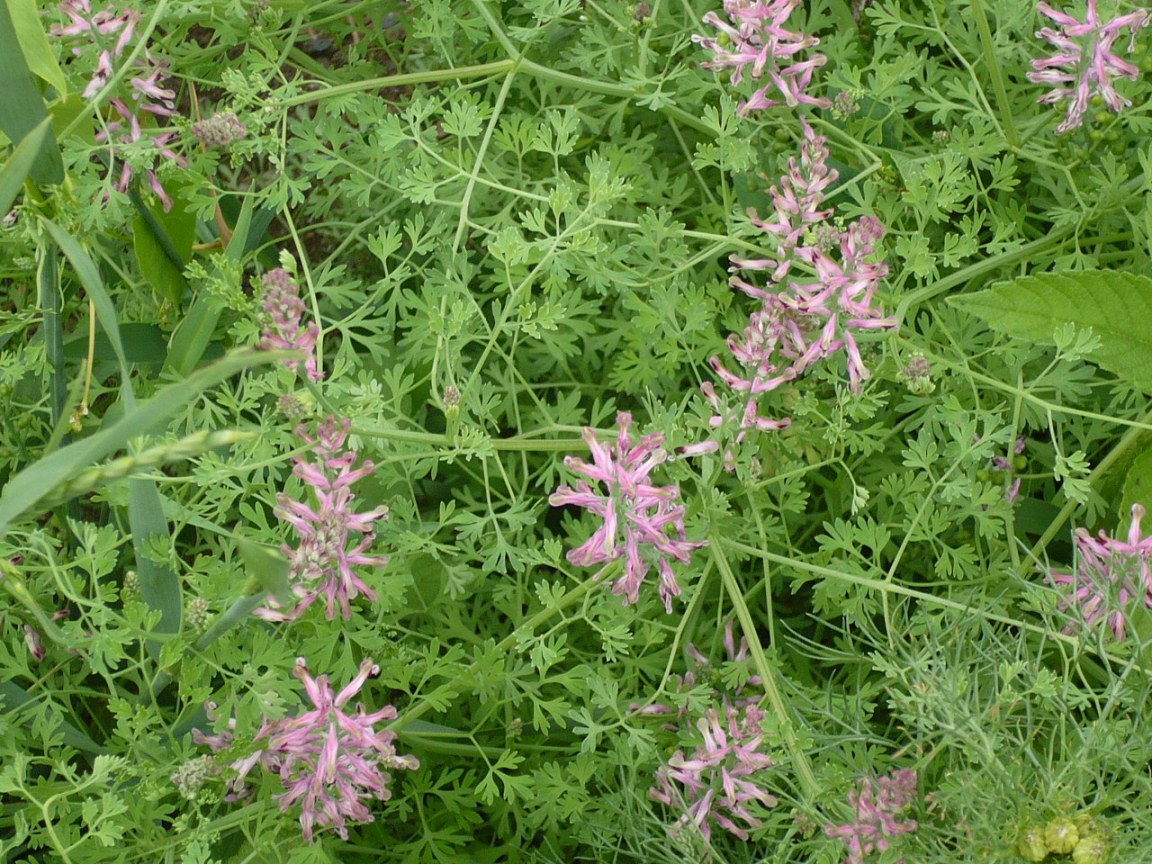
285,311
636,514
1085,64
800,321
717,782
322,564
147,95
715,785
877,804
328,760
756,40
1111,577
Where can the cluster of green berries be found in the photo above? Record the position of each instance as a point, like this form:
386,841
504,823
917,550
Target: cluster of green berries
1082,838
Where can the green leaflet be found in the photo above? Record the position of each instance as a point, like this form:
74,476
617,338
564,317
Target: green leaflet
1117,306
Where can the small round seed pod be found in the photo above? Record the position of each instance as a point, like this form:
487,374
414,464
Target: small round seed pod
1092,849
1061,835
1031,845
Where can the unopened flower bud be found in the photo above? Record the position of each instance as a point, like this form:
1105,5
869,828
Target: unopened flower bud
198,614
1092,849
130,587
192,775
220,130
33,642
844,105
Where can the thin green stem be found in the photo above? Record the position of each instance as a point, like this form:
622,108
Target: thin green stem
466,198
1007,121
767,673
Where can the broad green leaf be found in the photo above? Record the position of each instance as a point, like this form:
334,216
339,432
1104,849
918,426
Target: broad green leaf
20,163
34,43
193,335
143,344
239,240
162,242
1117,306
268,567
159,584
26,489
22,108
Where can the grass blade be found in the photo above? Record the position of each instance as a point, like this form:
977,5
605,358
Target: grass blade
20,164
40,479
22,109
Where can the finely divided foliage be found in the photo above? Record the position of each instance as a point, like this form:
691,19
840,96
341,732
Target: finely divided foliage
565,431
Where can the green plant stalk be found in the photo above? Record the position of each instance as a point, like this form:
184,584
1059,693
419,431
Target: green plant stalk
784,716
466,198
994,72
186,448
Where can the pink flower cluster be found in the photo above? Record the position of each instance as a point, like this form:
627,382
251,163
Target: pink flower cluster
1084,64
322,564
328,760
637,515
147,95
1110,578
801,319
717,783
878,804
283,330
756,40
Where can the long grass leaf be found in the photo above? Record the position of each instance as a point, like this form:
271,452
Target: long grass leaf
15,697
34,44
19,164
89,275
21,107
27,489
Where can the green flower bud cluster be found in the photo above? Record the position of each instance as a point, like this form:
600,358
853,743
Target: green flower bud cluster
1081,839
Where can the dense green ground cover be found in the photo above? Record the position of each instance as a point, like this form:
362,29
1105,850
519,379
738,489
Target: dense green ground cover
575,431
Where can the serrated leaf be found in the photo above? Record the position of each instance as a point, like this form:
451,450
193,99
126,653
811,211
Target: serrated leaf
1117,306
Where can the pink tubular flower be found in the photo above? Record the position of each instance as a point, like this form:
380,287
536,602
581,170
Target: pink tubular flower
798,322
1110,575
716,784
757,40
147,94
285,310
877,804
636,514
1084,64
796,202
33,642
328,760
322,563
